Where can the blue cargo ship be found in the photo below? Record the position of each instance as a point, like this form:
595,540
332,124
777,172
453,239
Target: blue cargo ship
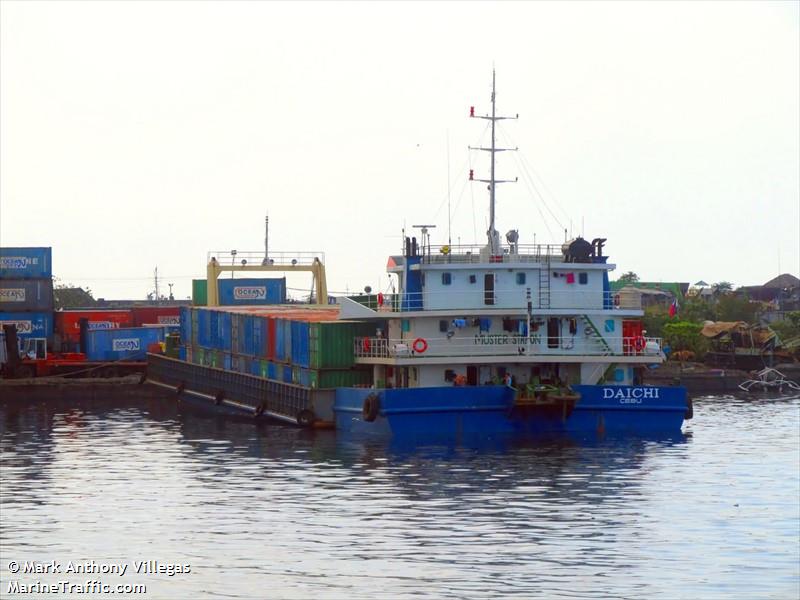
496,339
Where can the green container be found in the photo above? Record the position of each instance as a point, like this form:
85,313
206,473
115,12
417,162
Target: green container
330,345
199,292
340,378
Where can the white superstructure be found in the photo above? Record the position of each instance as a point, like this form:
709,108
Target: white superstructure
472,315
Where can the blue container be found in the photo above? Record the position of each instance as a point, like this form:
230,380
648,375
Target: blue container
186,325
259,336
227,362
29,324
286,375
126,343
280,340
182,353
26,263
304,377
272,370
203,327
236,333
300,345
249,292
26,295
287,341
249,348
225,331
213,325
220,330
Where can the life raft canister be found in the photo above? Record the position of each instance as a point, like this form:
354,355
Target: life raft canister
370,408
420,345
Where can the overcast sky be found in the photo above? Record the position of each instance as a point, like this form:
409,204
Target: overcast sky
144,134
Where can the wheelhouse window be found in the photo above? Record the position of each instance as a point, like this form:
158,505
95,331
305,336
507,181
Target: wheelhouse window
520,278
583,278
447,278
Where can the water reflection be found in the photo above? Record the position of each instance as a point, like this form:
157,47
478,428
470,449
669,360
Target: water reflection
314,514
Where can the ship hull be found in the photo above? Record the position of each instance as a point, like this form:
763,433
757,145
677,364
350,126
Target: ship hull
493,410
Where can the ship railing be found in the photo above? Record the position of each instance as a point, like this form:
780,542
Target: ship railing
470,253
501,298
505,344
254,257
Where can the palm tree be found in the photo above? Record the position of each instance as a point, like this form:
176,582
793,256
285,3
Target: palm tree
722,287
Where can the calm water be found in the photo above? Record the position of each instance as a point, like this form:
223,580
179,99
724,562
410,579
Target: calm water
274,512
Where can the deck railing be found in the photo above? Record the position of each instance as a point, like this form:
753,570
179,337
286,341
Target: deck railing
468,253
506,297
504,344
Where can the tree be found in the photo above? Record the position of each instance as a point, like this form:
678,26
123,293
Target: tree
695,309
683,335
734,308
722,287
628,278
66,295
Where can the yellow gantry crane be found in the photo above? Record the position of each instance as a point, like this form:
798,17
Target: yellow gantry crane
312,262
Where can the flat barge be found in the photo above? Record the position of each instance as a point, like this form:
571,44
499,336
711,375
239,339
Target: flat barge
240,394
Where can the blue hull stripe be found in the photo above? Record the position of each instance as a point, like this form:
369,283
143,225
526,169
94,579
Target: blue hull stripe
488,410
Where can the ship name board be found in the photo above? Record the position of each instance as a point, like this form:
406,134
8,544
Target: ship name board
633,395
502,339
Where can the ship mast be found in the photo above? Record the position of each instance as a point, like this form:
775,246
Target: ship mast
494,236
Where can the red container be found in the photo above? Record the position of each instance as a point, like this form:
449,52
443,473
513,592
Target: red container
67,323
156,315
271,338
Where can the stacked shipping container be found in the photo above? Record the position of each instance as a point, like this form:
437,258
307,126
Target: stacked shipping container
242,292
303,346
67,323
26,291
125,343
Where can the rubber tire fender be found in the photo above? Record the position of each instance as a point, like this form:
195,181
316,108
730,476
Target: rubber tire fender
371,408
689,409
306,418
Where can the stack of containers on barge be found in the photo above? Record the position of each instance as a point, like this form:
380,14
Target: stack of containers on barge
26,294
283,361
